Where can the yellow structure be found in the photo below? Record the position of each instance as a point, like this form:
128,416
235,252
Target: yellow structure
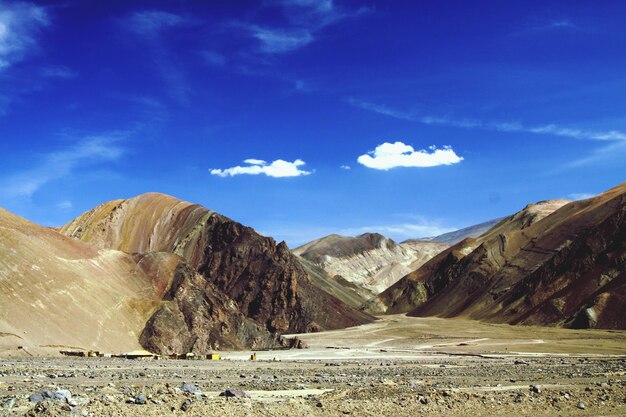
253,357
213,356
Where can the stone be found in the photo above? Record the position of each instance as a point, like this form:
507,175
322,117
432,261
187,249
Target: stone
140,399
189,388
35,397
237,393
62,395
581,405
185,405
10,403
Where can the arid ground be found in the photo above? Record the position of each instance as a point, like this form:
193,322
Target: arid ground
396,366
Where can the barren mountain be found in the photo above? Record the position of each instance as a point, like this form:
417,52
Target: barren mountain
264,278
368,263
566,268
60,292
411,290
454,237
56,291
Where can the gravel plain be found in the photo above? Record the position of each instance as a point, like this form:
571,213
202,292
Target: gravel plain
475,372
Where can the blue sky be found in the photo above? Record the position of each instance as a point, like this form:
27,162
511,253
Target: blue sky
303,118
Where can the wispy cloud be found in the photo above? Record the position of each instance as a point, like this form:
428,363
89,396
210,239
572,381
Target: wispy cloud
213,58
580,196
278,168
59,71
20,24
276,41
65,205
501,126
345,167
150,25
551,25
305,18
401,231
392,155
63,163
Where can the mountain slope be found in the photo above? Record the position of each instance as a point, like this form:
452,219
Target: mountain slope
570,268
416,287
541,266
263,278
58,291
454,237
371,262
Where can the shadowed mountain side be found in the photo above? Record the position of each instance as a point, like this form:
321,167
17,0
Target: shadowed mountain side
567,269
195,316
264,279
59,292
418,286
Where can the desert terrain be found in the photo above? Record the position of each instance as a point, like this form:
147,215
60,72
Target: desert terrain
397,365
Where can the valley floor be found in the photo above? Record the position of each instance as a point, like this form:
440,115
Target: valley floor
397,366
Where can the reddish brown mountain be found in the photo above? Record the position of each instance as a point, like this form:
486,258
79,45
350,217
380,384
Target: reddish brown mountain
265,280
565,268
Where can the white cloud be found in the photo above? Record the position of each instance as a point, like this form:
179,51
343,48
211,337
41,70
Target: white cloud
278,168
468,123
346,167
392,155
19,25
62,163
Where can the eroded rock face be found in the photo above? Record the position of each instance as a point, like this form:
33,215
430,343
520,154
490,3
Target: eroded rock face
370,261
197,317
265,280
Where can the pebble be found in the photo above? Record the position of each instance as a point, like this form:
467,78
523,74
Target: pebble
140,399
185,405
581,405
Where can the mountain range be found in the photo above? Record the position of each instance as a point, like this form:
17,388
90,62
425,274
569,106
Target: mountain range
553,263
174,277
168,274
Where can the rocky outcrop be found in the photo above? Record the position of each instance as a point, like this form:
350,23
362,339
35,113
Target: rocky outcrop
195,316
369,263
566,268
265,280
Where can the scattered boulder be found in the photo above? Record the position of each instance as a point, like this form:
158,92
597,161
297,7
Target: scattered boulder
190,388
237,393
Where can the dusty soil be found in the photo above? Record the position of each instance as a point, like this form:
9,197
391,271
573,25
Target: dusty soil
398,366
